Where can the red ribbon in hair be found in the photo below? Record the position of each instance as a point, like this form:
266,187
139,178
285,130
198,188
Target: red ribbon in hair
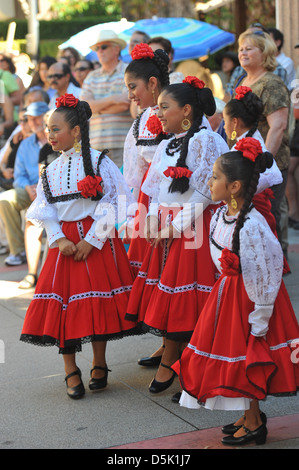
68,101
241,91
177,172
194,81
250,148
142,51
90,186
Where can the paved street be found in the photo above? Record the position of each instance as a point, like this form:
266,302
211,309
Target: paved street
37,414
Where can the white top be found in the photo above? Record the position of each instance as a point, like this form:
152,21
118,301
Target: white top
109,210
261,261
272,175
71,89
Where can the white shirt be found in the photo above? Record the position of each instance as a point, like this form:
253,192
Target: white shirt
71,89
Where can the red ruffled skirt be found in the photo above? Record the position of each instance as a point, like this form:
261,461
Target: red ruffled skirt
224,359
173,284
80,301
138,243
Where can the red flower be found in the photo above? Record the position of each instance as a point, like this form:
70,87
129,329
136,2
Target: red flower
90,185
142,51
194,81
241,91
230,263
177,172
154,125
250,148
67,100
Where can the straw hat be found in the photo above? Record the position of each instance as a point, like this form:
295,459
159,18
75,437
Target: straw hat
107,35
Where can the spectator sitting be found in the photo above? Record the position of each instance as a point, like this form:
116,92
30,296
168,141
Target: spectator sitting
11,87
40,77
282,59
26,175
138,37
61,79
82,69
71,54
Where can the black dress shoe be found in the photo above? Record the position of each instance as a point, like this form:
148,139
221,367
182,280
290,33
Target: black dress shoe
98,384
259,435
152,361
232,428
157,387
176,397
78,391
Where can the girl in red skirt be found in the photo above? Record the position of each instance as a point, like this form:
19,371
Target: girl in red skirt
241,117
83,289
177,273
243,346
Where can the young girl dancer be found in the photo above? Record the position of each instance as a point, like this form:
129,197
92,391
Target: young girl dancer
83,289
177,274
241,117
242,347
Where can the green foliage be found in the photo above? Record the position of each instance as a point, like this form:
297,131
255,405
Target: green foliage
68,9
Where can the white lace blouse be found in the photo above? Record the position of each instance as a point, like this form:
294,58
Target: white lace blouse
60,186
272,175
261,261
203,150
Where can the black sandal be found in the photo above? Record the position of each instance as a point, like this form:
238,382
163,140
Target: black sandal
27,283
78,391
98,384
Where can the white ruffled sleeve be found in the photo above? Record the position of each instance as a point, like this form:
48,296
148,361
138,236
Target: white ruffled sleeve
134,166
112,209
261,260
44,215
151,185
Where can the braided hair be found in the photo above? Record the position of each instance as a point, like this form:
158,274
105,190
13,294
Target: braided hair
145,68
249,109
79,116
202,102
237,168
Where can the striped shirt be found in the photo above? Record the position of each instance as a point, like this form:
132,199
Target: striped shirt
107,130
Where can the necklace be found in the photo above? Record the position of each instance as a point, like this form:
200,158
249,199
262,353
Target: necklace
174,145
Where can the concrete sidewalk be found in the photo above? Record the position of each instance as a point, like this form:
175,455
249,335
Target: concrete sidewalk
37,414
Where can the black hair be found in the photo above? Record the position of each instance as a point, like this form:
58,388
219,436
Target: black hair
202,102
278,36
238,168
155,67
249,109
167,46
79,116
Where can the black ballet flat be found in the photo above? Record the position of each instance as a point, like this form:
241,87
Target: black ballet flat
232,428
98,384
157,387
78,391
150,361
259,435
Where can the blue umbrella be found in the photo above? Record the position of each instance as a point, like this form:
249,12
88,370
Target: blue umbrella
190,38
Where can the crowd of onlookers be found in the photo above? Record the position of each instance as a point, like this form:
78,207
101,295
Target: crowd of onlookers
29,92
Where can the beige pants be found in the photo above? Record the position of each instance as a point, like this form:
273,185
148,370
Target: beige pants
12,202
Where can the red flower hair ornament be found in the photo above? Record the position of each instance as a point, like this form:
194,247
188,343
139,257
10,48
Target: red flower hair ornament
142,51
194,81
154,125
241,91
90,186
177,172
68,101
230,263
250,148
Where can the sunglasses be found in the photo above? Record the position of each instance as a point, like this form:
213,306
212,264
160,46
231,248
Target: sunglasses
81,69
103,47
56,76
23,121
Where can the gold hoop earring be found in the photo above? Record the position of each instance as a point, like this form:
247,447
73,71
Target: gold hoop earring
234,135
186,124
77,146
233,202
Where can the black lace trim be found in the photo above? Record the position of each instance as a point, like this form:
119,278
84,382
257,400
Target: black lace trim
75,345
145,142
65,197
183,336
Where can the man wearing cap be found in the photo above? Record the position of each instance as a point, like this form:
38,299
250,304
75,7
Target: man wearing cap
104,89
26,175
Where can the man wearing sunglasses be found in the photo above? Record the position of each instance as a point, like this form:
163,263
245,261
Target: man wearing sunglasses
104,89
60,78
